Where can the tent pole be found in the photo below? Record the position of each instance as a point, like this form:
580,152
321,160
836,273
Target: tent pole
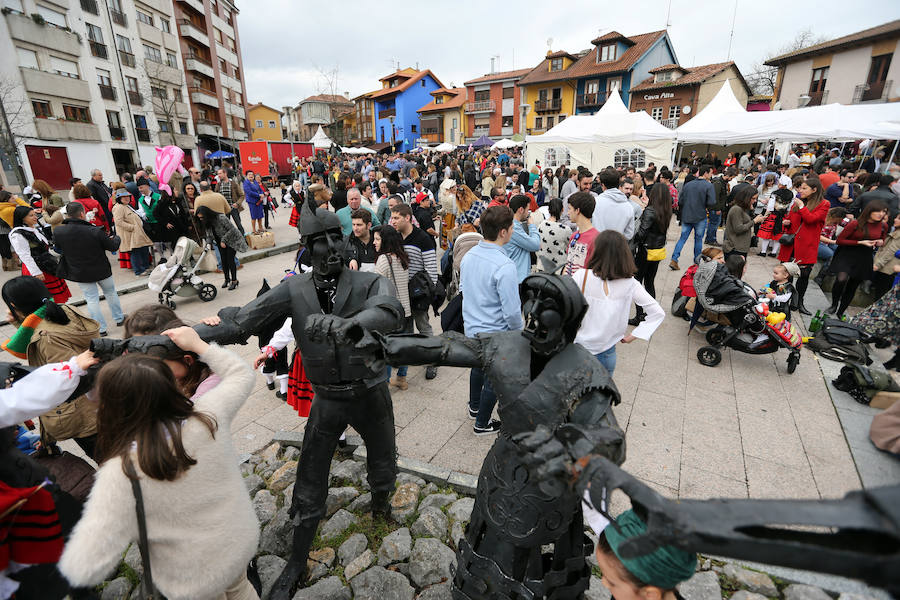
893,154
678,158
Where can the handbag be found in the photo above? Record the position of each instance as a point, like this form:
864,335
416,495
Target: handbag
656,254
46,262
787,239
148,590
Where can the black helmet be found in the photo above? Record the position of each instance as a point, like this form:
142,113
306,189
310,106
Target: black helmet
314,221
553,308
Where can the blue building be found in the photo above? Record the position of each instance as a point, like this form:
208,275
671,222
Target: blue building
617,62
402,94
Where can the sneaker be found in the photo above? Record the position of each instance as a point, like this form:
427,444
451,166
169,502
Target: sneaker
492,428
120,322
472,413
103,334
430,372
673,264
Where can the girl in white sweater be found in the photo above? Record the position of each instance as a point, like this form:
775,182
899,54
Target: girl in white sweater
201,526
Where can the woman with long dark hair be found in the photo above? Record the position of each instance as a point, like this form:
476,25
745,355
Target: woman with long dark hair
149,431
393,263
650,242
28,241
854,259
220,231
807,214
739,222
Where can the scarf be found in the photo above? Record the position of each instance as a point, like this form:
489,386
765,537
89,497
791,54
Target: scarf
17,345
665,567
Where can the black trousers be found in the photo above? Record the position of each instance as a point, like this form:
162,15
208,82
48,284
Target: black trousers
228,266
372,415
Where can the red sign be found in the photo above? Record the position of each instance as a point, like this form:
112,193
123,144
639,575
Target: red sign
254,157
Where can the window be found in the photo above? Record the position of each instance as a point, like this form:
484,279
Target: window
556,156
112,117
94,33
182,127
140,122
592,87
51,16
171,60
223,66
613,83
202,114
606,53
164,25
878,70
177,95
123,43
657,113
819,78
41,109
237,73
228,17
271,124
259,122
556,64
15,5
217,33
621,158
638,159
232,46
422,82
629,158
413,128
164,126
103,78
238,98
64,67
507,121
213,7
482,96
664,76
152,54
76,113
439,100
562,118
145,18
508,92
550,122
131,84
538,122
675,111
159,92
27,58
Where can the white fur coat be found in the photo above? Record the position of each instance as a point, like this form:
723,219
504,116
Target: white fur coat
202,528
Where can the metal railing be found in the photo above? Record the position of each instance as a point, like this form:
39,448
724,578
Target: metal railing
116,133
553,104
815,98
118,17
591,99
98,49
671,123
107,92
127,58
869,92
90,6
143,135
135,98
390,112
480,106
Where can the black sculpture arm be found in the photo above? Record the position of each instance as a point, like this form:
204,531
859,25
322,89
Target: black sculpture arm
240,323
450,349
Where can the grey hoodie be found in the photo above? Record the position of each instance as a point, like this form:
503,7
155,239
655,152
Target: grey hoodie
614,210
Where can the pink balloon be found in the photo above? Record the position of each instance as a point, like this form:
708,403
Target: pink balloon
168,160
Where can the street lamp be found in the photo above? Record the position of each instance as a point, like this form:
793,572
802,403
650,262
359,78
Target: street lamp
391,119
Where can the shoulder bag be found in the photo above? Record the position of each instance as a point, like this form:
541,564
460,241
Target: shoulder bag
148,590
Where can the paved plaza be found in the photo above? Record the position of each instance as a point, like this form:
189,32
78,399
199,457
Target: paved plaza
745,428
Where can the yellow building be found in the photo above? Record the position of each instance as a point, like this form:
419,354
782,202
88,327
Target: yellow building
548,92
265,123
343,131
443,119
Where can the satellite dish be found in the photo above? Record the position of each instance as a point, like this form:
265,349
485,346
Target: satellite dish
686,109
803,100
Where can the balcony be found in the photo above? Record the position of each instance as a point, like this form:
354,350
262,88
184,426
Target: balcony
480,131
60,129
51,84
877,91
118,17
116,132
25,29
552,105
195,4
228,55
107,92
183,140
127,58
208,127
480,106
195,63
235,110
815,99
433,137
670,123
135,98
143,135
90,6
591,99
189,30
204,96
239,135
386,114
98,49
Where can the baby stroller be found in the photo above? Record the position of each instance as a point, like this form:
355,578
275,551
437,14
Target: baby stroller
752,329
177,275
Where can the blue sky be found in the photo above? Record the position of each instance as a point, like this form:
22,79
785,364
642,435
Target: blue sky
285,43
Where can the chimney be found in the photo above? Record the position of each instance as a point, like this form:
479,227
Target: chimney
492,65
347,95
417,65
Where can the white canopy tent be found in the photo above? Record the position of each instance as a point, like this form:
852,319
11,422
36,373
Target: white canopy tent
320,140
444,147
360,150
506,143
613,136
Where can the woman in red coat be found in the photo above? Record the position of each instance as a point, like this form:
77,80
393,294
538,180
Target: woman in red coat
807,216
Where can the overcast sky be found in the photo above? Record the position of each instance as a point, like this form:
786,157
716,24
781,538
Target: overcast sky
286,43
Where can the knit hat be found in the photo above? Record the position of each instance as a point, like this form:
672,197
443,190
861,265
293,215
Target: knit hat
18,343
665,567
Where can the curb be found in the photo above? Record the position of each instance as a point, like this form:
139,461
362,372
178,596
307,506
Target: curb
461,482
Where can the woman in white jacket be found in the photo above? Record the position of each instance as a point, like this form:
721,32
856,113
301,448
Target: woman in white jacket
201,527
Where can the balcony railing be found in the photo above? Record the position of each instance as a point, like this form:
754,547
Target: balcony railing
671,123
591,99
143,135
198,58
433,137
869,92
480,106
98,49
480,131
107,92
135,98
116,133
90,6
127,58
551,105
815,98
118,17
384,114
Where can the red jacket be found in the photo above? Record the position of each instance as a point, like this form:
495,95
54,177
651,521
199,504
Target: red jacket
808,227
99,216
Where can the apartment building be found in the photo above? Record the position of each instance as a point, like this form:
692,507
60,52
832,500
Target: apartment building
493,107
91,84
211,50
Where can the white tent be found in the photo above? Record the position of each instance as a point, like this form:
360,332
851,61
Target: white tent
506,143
360,150
320,140
613,136
445,147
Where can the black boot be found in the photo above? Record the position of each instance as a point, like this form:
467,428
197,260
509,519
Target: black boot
294,571
638,317
381,505
803,310
894,363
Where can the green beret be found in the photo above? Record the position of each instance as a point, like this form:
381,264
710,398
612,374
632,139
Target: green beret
665,567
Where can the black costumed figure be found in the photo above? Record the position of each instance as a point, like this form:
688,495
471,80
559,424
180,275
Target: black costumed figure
541,378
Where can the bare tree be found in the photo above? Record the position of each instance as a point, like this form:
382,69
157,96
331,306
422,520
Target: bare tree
14,116
327,83
762,77
164,101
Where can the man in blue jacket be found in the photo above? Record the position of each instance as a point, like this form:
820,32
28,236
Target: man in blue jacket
697,196
525,239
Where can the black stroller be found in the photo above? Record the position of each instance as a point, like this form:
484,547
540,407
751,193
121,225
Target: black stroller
751,329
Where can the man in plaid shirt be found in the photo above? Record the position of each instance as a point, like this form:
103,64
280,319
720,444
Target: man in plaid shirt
234,194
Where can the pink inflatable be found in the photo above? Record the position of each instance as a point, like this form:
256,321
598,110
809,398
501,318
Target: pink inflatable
168,160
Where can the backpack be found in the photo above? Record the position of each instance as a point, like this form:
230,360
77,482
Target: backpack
862,383
421,291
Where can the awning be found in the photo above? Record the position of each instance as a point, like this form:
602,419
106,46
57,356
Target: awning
380,147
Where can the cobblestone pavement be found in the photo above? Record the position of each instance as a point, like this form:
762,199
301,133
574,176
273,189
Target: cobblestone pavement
745,428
